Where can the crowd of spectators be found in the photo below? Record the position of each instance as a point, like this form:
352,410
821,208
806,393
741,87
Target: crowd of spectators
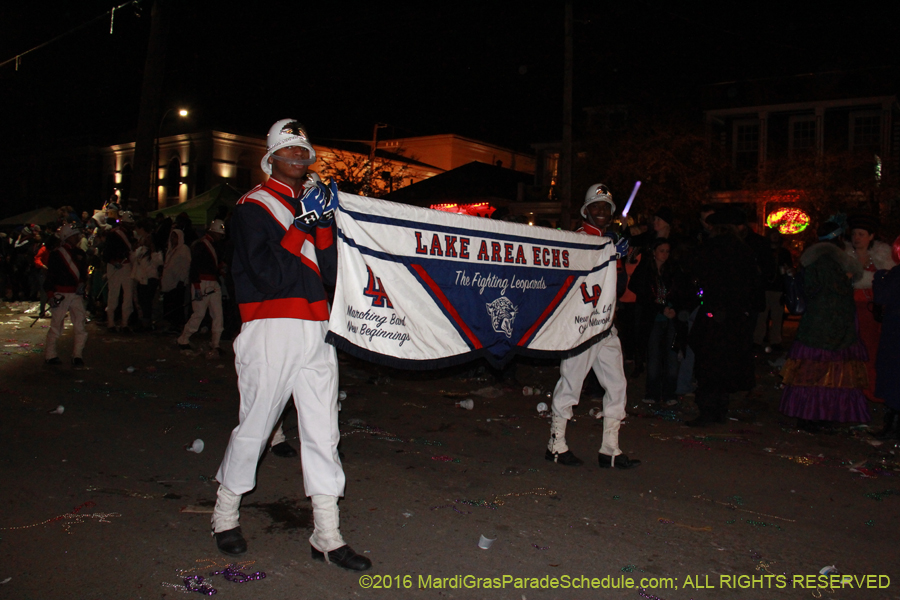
144,260
705,296
707,299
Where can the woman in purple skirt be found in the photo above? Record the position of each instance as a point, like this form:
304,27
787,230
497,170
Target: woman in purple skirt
825,372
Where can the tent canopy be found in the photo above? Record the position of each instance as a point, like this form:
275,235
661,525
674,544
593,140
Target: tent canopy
39,216
202,209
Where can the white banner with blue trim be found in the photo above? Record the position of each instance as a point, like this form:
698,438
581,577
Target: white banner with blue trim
420,288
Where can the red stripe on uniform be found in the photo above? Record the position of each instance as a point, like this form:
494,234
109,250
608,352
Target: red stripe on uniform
294,239
278,197
285,308
246,196
324,237
273,184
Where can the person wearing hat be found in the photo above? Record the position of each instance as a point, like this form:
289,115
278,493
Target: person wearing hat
824,374
118,254
660,228
662,222
730,287
206,293
872,255
604,358
66,276
284,253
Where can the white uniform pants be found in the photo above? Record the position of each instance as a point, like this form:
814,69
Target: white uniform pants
605,358
275,358
73,304
119,279
211,299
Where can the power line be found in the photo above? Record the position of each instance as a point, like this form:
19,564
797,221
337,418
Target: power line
17,59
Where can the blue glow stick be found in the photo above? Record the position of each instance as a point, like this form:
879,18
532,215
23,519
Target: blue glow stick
637,184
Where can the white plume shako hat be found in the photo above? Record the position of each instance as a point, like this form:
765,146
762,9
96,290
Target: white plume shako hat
284,134
67,231
597,193
217,226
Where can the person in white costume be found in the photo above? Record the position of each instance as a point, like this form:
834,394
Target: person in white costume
284,251
604,358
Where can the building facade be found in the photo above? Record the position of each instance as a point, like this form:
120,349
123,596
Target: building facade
192,163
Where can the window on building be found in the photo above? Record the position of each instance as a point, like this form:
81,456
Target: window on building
746,144
865,131
802,137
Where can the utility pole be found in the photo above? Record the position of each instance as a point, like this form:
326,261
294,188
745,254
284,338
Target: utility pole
564,174
367,189
151,90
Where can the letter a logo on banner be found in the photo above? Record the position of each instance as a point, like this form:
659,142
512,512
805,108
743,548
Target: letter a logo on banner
375,291
592,299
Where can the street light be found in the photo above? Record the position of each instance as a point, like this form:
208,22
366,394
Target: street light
182,112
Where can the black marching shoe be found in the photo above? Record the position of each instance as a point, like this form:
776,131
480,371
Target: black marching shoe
620,461
344,557
284,450
183,346
566,458
78,362
231,542
53,361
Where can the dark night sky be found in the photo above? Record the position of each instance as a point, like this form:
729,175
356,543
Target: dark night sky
487,70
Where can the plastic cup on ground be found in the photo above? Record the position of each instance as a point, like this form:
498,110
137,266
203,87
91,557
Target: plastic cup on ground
485,543
196,446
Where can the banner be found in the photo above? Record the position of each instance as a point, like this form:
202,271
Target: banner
420,288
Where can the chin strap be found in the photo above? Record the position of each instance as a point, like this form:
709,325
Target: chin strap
294,161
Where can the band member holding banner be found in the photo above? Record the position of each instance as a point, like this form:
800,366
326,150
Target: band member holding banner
284,247
604,357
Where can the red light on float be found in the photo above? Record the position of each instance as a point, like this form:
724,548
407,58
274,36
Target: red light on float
788,221
481,209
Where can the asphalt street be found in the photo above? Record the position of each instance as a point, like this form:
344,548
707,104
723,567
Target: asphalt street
102,500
